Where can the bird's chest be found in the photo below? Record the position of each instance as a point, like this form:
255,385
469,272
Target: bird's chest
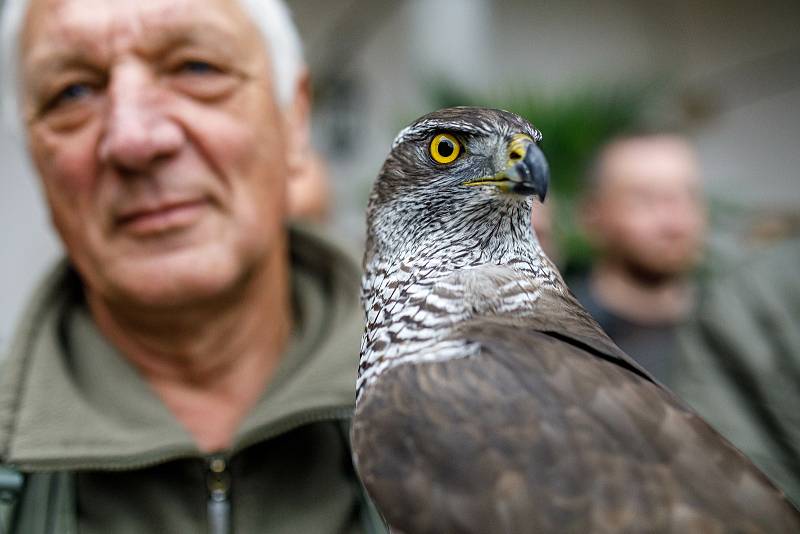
412,310
408,322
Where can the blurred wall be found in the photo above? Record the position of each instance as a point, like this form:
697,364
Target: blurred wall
27,243
732,67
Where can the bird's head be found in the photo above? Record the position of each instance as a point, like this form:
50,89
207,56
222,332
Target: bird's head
456,168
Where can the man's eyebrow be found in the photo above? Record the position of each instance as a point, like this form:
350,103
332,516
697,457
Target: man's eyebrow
41,68
59,60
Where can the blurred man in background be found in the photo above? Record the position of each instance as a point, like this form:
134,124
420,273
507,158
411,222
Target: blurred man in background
189,367
645,214
728,344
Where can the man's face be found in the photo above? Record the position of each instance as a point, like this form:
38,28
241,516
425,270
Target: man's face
160,146
648,212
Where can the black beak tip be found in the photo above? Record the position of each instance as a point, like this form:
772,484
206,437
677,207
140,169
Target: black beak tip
536,173
542,193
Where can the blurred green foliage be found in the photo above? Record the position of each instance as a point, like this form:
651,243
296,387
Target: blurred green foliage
574,125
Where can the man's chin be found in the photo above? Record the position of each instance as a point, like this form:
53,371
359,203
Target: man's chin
171,281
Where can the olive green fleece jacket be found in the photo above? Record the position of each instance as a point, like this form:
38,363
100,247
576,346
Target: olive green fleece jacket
70,403
739,364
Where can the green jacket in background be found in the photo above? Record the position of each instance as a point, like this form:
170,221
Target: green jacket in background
101,453
739,366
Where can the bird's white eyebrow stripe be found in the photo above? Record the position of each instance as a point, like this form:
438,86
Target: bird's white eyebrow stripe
432,124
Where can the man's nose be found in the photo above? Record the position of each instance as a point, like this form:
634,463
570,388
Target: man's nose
677,215
139,130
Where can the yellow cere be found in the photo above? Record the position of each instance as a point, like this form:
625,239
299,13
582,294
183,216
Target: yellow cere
518,146
445,148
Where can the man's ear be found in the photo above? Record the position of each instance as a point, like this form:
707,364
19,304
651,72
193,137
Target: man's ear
297,115
307,187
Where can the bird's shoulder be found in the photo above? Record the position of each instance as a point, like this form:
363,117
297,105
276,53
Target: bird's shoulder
506,294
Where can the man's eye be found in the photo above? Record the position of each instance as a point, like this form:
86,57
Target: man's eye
201,79
198,67
69,94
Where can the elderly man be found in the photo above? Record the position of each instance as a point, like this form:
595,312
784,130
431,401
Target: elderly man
645,214
190,367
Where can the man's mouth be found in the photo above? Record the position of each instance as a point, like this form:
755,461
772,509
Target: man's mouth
161,218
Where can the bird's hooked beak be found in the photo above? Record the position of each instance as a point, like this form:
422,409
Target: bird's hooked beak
526,172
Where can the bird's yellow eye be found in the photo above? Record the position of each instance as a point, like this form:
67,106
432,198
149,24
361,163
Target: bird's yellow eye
445,148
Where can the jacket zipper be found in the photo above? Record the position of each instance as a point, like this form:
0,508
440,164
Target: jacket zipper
218,475
218,484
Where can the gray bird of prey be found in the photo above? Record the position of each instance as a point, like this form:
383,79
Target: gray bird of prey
488,401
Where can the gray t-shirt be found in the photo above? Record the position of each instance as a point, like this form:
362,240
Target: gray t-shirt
653,346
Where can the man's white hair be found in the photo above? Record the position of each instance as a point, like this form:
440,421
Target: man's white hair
272,17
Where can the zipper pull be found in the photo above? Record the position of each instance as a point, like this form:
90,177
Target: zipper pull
218,483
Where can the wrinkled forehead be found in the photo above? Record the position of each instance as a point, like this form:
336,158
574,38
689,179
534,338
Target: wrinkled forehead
92,26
